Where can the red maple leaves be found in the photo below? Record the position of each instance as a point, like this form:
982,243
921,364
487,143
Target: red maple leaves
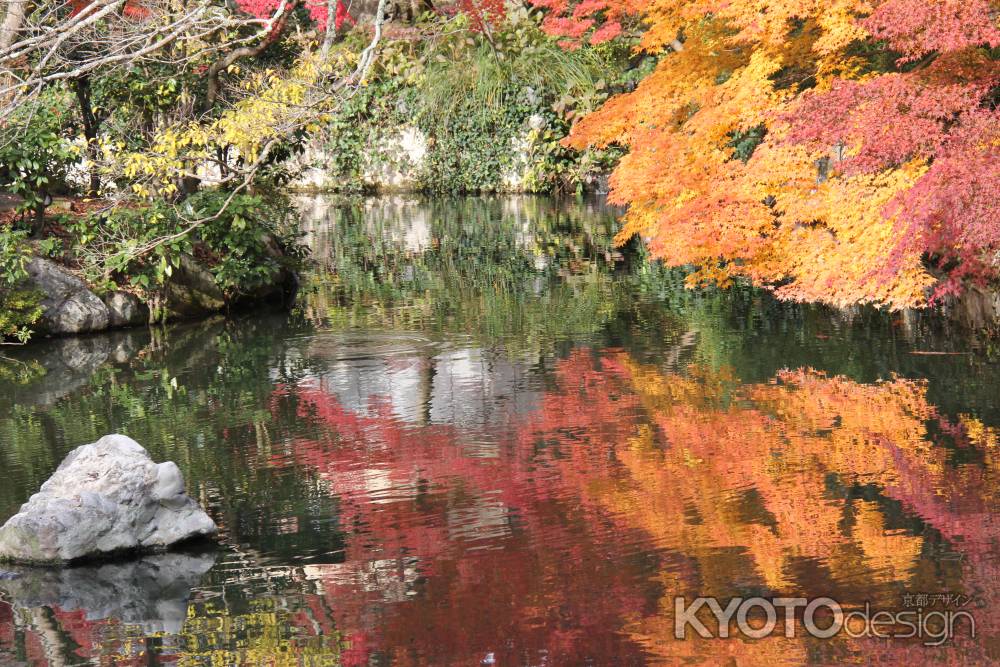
483,13
891,119
317,11
918,27
133,9
597,21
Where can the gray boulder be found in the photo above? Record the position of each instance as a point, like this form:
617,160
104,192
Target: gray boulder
68,305
125,309
190,292
105,498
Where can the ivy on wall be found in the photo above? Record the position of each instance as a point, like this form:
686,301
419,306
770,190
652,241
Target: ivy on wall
493,111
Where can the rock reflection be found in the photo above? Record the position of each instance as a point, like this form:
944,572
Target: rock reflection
173,609
151,592
54,612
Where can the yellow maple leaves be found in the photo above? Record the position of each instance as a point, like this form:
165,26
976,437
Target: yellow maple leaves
837,259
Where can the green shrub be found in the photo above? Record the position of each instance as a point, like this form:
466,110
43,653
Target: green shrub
35,161
252,241
19,306
479,101
238,241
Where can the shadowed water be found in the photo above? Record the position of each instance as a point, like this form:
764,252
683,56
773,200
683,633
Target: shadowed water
487,437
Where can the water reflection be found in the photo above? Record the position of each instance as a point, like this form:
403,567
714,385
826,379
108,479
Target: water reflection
486,436
150,592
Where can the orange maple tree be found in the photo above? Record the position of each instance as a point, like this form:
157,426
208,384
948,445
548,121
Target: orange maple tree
843,151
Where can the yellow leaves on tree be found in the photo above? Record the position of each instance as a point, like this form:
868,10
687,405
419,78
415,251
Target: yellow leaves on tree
272,106
734,169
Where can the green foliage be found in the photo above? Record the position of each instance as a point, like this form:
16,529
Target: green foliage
34,163
744,143
14,255
19,307
473,148
500,107
554,167
357,136
492,107
51,247
108,243
246,240
473,71
19,310
251,241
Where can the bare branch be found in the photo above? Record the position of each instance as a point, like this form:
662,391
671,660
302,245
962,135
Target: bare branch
268,35
55,43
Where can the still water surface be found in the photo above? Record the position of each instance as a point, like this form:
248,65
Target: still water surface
486,437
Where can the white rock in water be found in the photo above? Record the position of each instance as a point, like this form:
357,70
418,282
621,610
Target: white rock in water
104,498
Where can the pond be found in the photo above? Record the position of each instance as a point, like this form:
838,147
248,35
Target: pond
486,436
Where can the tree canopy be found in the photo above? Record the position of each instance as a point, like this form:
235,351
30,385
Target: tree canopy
841,152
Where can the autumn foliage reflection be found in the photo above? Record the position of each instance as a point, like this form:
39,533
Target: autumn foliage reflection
807,484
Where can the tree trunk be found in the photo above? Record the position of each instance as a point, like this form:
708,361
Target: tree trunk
13,18
90,127
38,224
12,21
